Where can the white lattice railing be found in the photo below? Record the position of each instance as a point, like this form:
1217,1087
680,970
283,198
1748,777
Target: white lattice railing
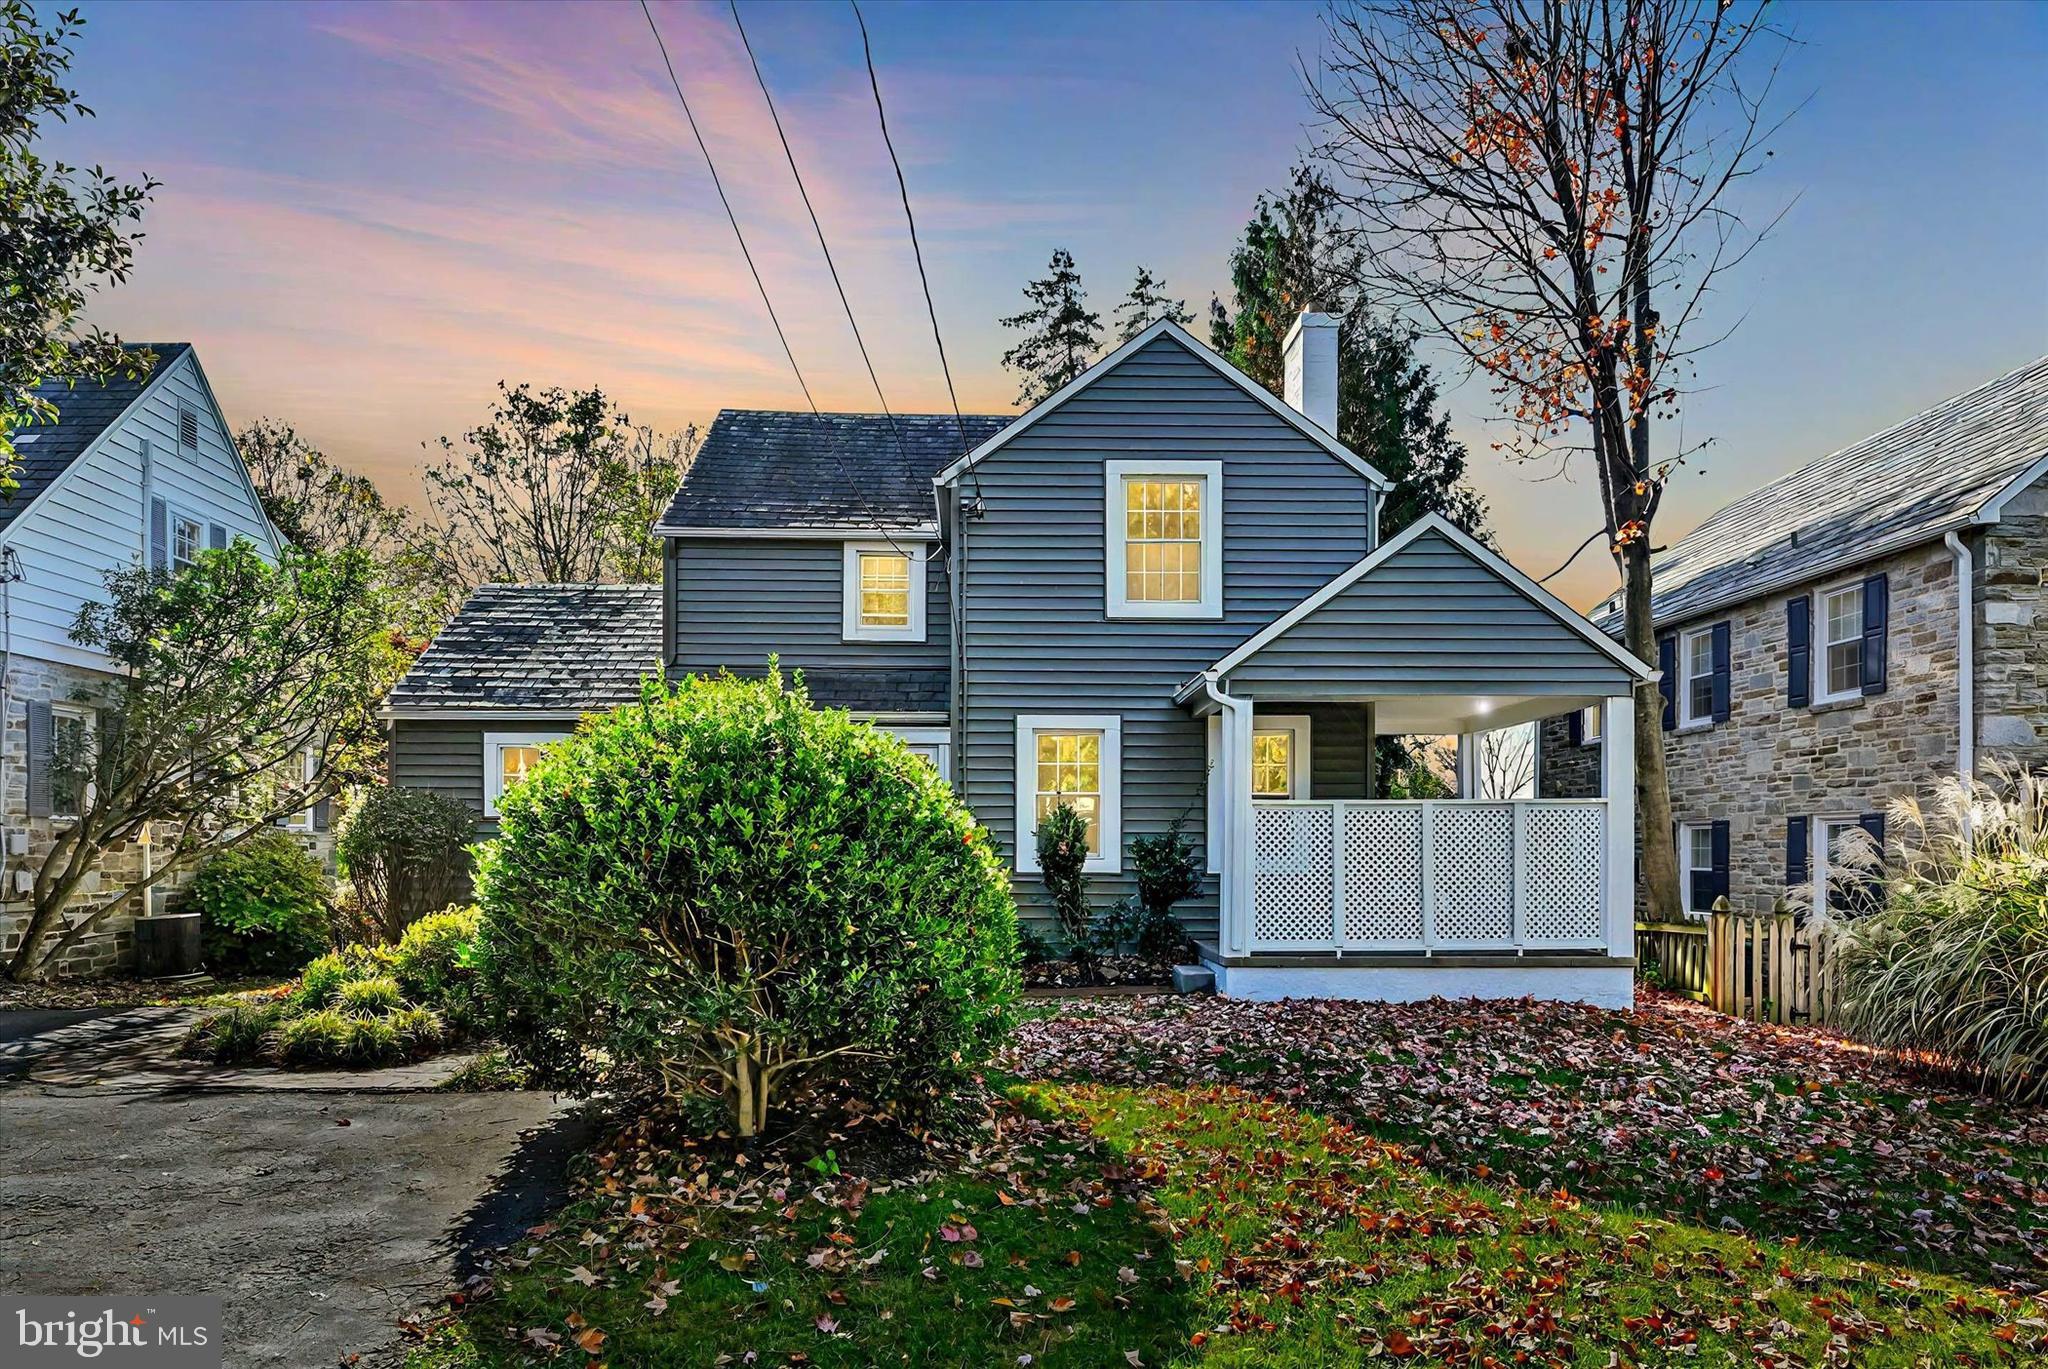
1397,875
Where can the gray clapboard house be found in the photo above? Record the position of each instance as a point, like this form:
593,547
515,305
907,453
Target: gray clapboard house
1159,595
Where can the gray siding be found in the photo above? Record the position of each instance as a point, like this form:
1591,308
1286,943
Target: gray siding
446,758
1037,638
1429,620
739,600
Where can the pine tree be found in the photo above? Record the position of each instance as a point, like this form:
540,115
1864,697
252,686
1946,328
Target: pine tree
1147,303
1061,336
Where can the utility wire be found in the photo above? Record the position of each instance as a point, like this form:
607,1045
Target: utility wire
853,483
896,432
903,189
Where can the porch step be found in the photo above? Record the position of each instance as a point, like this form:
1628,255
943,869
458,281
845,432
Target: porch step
1193,979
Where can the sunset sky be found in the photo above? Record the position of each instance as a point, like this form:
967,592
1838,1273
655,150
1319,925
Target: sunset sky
372,213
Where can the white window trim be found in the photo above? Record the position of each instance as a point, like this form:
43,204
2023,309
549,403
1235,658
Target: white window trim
1298,757
1116,600
173,514
1820,864
302,821
1110,825
1590,731
1818,647
851,627
1686,717
89,716
494,742
1686,867
940,739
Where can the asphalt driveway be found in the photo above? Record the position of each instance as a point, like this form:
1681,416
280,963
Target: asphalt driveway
318,1215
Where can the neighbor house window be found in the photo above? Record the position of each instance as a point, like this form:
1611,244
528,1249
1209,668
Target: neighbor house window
1696,851
1838,663
1696,677
1280,752
309,766
1164,539
1833,880
1589,725
72,732
884,592
508,758
1076,760
187,537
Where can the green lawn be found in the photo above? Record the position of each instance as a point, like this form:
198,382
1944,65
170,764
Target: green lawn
1105,1224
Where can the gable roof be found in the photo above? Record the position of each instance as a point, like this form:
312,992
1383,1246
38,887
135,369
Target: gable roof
84,412
1488,559
762,469
1168,328
561,649
1940,470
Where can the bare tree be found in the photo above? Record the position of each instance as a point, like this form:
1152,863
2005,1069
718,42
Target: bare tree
555,487
1507,763
1545,182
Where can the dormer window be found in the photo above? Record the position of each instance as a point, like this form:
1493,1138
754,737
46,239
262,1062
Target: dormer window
1163,535
883,592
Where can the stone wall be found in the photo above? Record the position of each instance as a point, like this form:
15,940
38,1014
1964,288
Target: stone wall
2012,634
1567,769
111,946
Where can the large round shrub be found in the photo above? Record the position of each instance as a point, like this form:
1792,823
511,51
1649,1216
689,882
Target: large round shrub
406,854
263,904
721,892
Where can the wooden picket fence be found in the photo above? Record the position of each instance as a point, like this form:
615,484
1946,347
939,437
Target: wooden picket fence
1679,952
1770,968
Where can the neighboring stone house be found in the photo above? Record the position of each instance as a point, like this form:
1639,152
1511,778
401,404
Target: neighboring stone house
1810,635
1161,596
133,470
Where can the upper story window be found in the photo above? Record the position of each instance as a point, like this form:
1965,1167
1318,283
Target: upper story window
187,537
884,592
1074,759
1838,662
1163,536
1696,677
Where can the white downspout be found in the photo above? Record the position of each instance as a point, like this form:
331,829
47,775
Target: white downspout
1966,657
1235,883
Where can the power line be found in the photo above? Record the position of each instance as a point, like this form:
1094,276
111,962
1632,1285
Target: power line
852,482
903,189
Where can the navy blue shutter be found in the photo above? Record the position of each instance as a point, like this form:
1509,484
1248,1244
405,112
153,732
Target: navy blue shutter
1870,896
1877,610
1719,838
1721,672
159,534
1798,852
1667,683
1575,727
1799,651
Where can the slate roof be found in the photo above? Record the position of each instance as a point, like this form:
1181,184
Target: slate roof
46,450
761,468
1910,484
559,648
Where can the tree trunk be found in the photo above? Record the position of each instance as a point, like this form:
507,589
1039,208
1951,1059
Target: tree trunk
1653,788
749,1094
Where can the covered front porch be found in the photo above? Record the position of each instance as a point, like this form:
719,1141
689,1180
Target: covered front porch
1342,894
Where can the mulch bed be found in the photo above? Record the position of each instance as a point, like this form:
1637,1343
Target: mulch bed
1118,971
120,992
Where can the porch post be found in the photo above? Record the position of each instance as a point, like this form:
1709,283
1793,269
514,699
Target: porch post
1237,811
1618,787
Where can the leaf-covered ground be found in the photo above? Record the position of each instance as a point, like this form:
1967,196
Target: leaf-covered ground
1169,1183
1672,1109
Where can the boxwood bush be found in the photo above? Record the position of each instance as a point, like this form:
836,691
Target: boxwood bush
263,905
722,893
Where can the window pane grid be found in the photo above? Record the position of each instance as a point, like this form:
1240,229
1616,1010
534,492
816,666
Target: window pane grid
514,763
1163,541
1844,658
1273,765
884,590
1069,769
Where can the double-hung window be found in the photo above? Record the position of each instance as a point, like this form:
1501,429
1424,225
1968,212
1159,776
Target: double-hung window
1589,725
1163,537
1835,882
508,758
1838,655
73,759
1280,752
1696,678
187,538
1696,852
309,766
1075,759
884,588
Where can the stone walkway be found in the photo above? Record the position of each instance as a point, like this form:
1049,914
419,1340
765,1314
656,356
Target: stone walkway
319,1207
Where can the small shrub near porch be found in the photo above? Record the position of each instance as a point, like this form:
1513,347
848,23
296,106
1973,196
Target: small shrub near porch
727,897
263,905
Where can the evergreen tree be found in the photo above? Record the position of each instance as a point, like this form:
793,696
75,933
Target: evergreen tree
1147,303
1061,337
